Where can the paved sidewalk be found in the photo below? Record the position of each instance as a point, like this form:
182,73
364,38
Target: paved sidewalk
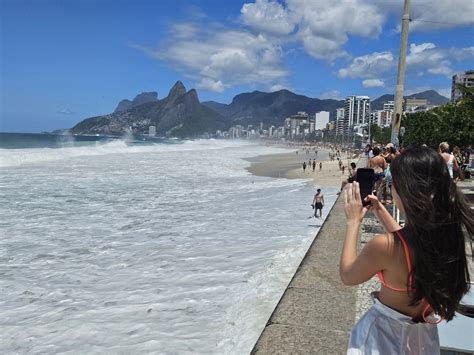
467,188
316,312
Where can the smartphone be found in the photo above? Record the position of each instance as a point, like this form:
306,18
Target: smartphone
366,179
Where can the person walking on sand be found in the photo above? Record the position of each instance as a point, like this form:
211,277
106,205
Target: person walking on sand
422,267
314,164
304,166
320,165
318,202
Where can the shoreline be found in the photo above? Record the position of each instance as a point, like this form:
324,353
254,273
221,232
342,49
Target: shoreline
290,166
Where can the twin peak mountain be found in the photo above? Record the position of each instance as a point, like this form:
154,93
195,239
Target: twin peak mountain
180,114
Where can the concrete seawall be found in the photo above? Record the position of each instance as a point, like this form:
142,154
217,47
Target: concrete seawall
316,312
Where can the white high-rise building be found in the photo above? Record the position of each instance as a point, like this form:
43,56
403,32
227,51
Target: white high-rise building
466,79
357,110
151,131
271,131
342,127
321,120
383,118
389,106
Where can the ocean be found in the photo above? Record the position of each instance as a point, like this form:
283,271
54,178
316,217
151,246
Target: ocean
129,246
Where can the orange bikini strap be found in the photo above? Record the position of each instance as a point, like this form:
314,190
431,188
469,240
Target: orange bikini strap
407,256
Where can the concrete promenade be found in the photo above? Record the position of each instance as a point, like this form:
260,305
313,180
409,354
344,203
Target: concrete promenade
316,312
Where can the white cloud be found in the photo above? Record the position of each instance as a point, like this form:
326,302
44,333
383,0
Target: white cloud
419,54
65,111
277,87
431,15
368,66
218,58
332,94
442,69
426,56
373,83
267,16
323,27
320,47
436,14
211,85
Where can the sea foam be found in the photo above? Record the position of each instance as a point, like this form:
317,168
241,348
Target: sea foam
157,249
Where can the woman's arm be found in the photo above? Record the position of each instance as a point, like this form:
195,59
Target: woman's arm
385,218
355,269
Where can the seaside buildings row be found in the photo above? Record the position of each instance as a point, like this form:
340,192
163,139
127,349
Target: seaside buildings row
351,121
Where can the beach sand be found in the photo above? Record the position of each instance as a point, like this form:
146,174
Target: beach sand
290,166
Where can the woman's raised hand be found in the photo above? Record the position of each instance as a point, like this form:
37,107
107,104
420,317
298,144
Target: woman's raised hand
353,203
375,203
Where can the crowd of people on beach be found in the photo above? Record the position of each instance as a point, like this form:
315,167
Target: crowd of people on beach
381,157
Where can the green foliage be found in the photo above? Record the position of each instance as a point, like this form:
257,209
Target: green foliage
379,135
453,123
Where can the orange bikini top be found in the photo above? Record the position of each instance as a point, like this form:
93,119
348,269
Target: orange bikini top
410,278
407,256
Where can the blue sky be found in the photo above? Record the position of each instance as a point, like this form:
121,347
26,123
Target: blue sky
65,60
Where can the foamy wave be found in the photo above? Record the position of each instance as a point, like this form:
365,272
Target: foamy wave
16,157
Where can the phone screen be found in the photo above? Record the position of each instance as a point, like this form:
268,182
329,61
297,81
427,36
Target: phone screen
365,178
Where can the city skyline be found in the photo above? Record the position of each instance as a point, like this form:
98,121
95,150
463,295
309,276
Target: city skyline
64,61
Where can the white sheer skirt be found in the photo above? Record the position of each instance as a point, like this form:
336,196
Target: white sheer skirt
382,330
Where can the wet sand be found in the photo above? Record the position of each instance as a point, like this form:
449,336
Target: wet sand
290,166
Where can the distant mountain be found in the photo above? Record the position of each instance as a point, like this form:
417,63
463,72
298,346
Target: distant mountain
271,108
140,99
431,95
180,114
216,106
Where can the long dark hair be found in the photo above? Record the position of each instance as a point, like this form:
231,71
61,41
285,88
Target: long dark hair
436,213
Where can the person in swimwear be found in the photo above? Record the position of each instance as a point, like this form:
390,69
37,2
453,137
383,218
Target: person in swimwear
378,164
422,268
318,203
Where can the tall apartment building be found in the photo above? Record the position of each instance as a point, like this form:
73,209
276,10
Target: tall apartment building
298,124
383,118
342,126
466,79
321,120
357,110
389,106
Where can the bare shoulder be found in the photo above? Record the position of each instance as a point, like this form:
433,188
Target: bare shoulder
380,245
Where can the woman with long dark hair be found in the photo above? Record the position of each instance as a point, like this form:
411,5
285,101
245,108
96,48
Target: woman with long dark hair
422,268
